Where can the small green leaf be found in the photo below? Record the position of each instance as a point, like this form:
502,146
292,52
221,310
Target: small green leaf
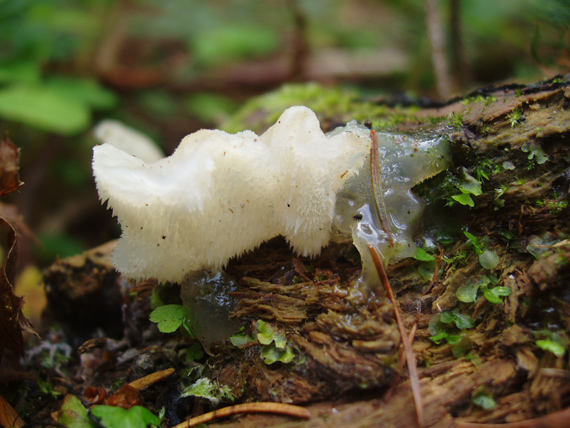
464,199
483,397
494,295
447,317
473,357
427,269
473,240
470,186
271,354
502,291
241,339
423,256
461,321
73,414
453,339
439,337
266,334
168,317
489,259
467,293
491,296
551,346
115,417
464,321
435,326
535,152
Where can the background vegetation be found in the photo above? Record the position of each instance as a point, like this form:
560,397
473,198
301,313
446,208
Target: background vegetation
169,67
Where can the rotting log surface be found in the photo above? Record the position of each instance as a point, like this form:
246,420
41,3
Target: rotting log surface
514,141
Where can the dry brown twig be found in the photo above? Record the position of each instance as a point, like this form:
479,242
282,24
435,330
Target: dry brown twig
280,408
410,357
558,419
145,382
375,170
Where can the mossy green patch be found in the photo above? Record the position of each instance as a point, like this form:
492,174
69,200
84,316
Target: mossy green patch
332,105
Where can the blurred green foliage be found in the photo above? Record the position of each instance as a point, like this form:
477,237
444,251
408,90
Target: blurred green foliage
33,33
219,45
55,84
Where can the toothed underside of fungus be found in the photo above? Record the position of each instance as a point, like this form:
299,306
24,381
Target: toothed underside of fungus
219,195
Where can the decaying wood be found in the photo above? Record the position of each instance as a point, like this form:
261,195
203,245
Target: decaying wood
347,344
406,340
498,127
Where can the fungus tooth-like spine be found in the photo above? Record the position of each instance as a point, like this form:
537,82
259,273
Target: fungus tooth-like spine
193,196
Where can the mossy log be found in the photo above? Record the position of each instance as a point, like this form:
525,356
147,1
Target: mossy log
507,279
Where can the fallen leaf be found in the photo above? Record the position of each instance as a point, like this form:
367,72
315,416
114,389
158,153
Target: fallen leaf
9,166
126,397
12,321
11,316
8,415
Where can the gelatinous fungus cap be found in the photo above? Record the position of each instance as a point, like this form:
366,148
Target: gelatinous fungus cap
219,195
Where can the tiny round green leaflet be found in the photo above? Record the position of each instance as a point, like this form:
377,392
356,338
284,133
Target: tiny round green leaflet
423,256
483,397
461,321
117,417
489,259
467,292
551,346
267,334
168,317
494,295
271,354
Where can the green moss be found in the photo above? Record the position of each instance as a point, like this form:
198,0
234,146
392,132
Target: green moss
515,117
554,205
208,389
455,120
479,99
332,106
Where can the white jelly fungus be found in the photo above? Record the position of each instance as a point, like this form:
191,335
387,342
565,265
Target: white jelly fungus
128,140
219,195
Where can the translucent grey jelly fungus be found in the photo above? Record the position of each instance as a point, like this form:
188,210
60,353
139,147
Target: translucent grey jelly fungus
405,161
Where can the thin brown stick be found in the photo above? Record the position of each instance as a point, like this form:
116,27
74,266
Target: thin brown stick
554,420
410,358
439,59
411,336
145,382
280,408
375,170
